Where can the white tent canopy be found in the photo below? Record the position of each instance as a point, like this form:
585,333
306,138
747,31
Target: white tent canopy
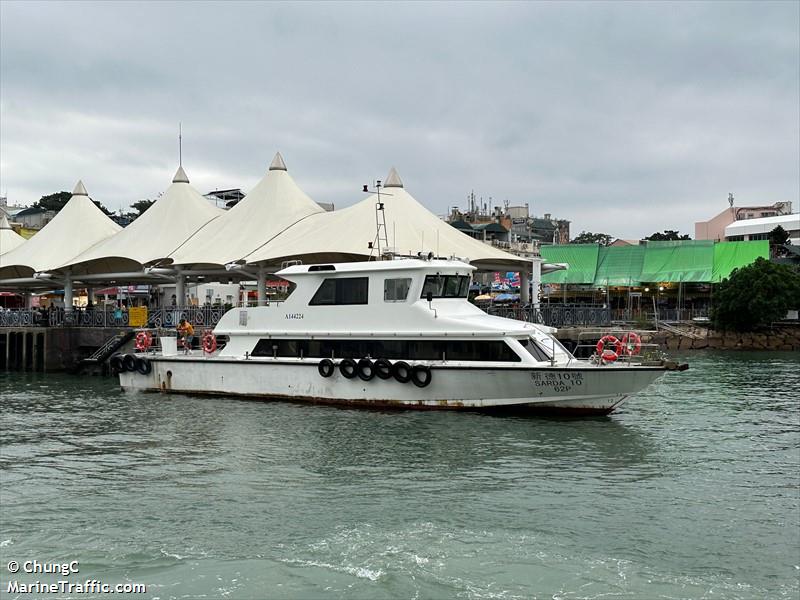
274,205
9,239
77,227
178,214
410,228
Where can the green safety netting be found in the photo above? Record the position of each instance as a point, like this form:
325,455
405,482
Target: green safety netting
582,260
619,266
732,255
698,261
685,260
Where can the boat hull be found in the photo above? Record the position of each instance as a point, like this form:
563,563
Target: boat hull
579,389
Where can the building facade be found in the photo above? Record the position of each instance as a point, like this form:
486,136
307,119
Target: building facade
510,227
715,228
759,228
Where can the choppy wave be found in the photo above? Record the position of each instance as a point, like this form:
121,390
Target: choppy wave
690,491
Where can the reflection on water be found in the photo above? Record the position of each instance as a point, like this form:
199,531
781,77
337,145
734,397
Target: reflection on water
689,491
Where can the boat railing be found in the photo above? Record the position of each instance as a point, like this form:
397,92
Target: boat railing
643,354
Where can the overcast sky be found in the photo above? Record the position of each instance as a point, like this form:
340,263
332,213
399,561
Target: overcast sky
624,118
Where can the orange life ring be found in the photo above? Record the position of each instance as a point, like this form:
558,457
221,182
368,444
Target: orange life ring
143,340
611,353
209,342
631,343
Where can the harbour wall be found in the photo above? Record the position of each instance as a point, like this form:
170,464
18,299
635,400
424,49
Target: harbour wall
779,337
46,349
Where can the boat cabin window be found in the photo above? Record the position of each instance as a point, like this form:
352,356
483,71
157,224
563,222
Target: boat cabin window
535,349
396,290
345,290
467,350
446,286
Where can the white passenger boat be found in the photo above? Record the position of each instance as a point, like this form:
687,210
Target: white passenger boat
392,333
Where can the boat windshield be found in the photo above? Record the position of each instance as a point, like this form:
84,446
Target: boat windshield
446,286
536,349
545,348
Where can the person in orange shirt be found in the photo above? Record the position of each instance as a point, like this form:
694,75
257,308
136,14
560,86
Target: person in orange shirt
186,333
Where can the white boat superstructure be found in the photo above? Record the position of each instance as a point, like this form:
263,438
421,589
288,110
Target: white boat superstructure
393,333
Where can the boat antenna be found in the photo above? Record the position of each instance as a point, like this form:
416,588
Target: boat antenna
180,144
381,240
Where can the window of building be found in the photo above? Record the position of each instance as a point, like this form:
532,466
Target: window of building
396,290
346,290
446,286
759,236
462,350
735,238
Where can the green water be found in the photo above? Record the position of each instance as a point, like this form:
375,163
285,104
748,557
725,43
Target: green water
690,491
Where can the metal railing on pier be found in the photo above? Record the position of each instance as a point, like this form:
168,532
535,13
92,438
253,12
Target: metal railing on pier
557,315
203,316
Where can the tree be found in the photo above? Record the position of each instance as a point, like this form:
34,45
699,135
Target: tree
142,205
107,212
778,236
667,236
756,295
587,237
59,200
53,201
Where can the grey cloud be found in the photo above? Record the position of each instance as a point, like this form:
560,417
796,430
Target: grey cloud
623,117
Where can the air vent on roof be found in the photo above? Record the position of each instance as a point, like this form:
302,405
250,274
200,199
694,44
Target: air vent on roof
321,268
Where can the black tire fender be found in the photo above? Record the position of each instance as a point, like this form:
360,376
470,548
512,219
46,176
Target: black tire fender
365,369
129,362
401,371
143,366
326,367
382,368
421,375
348,368
115,363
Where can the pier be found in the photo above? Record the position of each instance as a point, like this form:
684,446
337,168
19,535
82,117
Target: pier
50,349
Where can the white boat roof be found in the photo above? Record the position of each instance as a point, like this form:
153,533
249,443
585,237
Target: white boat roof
378,266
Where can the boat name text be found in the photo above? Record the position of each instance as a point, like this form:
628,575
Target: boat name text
560,382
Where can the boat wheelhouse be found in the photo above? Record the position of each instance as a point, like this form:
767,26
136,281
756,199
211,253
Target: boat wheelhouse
393,333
